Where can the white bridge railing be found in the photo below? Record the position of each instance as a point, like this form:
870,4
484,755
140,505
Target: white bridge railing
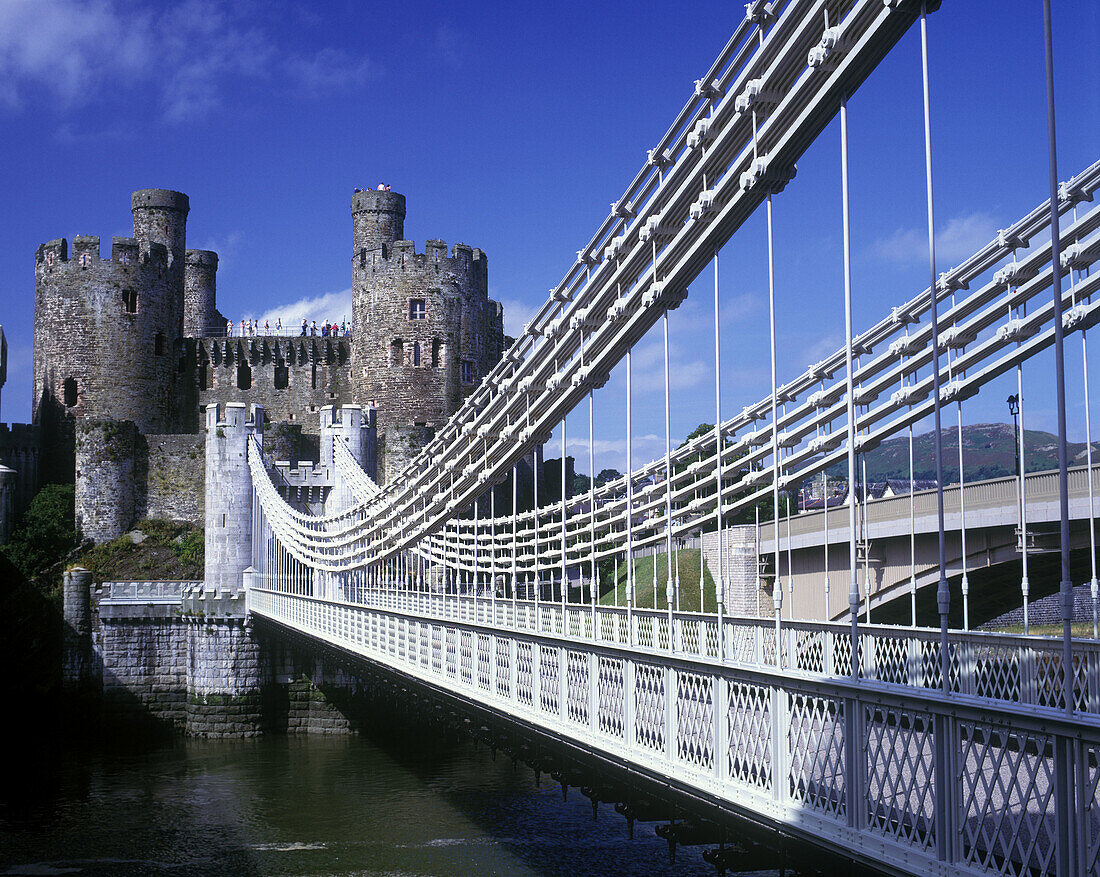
908,778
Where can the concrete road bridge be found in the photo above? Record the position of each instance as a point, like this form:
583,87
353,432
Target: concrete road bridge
920,750
897,550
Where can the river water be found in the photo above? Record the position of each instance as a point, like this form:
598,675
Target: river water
308,806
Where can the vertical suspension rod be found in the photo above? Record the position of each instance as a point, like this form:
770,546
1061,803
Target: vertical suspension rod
853,573
943,594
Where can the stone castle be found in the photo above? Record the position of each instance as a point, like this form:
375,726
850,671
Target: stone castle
129,352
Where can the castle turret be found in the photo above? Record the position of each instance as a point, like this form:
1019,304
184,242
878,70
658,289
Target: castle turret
228,533
200,313
378,219
160,216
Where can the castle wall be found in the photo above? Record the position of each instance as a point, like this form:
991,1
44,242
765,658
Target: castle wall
105,477
292,378
19,450
170,478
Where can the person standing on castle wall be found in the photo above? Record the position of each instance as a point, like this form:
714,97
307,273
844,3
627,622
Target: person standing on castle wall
305,326
228,328
242,328
267,328
278,325
343,327
313,329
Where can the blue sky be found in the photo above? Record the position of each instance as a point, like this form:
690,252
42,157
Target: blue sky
511,127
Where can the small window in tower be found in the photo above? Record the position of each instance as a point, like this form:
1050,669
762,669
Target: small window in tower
282,377
418,309
313,378
397,352
206,376
158,344
467,372
68,390
416,354
129,300
437,353
181,366
85,259
244,376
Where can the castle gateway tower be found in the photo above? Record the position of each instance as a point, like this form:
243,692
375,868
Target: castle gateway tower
425,329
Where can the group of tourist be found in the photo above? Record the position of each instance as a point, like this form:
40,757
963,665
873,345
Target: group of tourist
251,328
326,330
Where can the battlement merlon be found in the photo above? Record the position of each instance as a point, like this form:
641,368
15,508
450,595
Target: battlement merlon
235,417
463,259
54,255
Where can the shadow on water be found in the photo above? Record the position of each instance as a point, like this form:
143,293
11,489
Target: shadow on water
397,800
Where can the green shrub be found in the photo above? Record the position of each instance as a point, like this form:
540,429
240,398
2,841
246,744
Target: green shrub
46,532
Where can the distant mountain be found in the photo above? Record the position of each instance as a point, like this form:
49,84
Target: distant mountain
988,452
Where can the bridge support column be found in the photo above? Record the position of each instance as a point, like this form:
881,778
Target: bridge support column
229,493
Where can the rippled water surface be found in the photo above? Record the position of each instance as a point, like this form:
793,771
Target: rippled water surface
313,805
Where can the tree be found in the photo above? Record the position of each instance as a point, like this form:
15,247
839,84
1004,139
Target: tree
47,531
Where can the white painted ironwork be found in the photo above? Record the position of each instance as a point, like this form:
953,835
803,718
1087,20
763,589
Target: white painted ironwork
931,751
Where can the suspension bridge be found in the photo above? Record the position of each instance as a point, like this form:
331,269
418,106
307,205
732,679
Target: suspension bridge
918,750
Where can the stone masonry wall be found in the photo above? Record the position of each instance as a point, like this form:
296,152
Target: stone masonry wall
292,378
144,673
105,451
223,678
739,566
171,478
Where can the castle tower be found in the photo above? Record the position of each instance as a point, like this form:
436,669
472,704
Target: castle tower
107,330
228,533
425,331
378,219
160,216
200,314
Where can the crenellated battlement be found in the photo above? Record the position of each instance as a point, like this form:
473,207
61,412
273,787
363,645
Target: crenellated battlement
435,250
234,417
19,435
274,350
53,258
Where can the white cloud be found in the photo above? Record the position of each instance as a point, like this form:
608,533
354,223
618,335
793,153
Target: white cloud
958,239
611,453
516,315
331,306
187,55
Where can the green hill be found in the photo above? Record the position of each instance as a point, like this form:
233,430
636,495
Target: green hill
989,451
